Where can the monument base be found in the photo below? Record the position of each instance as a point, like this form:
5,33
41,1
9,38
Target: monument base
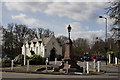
72,66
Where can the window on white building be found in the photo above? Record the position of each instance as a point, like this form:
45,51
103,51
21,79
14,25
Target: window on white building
36,50
31,48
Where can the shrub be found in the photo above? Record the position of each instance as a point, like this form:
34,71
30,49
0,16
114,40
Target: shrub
117,54
6,60
109,52
36,60
19,59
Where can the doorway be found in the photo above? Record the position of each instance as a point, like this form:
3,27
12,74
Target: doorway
52,54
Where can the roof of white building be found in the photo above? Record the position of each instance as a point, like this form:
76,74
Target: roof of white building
44,40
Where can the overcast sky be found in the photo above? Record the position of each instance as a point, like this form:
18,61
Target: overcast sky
82,16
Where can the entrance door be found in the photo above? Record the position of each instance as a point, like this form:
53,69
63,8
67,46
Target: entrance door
52,54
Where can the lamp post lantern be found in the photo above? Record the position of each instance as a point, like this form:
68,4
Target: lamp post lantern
105,36
69,29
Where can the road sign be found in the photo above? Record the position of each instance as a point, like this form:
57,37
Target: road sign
85,57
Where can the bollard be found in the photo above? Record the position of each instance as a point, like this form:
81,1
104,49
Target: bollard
27,65
0,60
47,60
87,67
116,60
24,60
25,57
67,66
46,66
94,64
12,65
99,66
84,67
0,63
55,61
109,58
46,63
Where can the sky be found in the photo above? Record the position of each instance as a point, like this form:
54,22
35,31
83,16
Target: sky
56,16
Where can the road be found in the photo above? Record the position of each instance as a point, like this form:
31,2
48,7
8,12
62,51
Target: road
111,74
16,76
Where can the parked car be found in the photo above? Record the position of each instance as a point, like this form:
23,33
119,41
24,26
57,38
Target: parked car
99,58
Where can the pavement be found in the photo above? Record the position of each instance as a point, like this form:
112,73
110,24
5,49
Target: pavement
112,72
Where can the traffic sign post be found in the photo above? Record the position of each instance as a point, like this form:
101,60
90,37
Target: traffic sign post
87,67
94,63
85,57
84,64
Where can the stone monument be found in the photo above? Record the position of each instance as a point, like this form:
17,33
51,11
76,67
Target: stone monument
69,56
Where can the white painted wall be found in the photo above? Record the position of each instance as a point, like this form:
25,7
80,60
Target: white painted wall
41,48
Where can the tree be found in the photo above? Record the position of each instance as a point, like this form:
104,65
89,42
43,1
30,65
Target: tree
40,32
1,29
111,44
80,46
98,48
62,41
114,11
22,33
15,35
47,33
8,39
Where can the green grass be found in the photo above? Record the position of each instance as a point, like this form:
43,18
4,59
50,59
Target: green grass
18,68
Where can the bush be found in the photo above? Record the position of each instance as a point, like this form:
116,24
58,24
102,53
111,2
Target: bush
36,60
6,60
109,52
19,59
117,54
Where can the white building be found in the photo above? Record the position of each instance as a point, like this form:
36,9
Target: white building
46,47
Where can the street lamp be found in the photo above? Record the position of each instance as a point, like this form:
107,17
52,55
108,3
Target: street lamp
105,24
69,29
105,37
69,59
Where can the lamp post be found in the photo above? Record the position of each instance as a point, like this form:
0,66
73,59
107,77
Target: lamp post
69,55
105,36
68,50
105,24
